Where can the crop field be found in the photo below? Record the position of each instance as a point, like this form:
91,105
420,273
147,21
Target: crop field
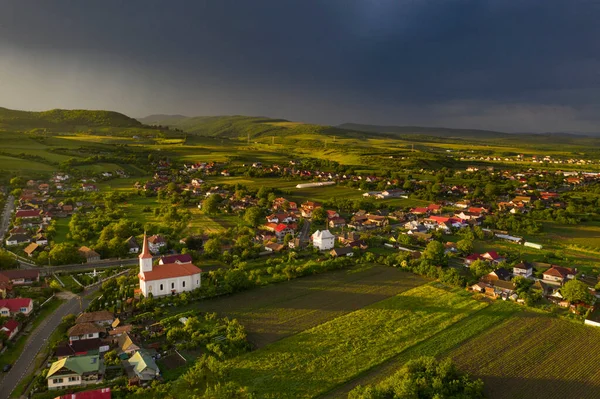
437,346
23,165
276,311
535,356
201,222
321,358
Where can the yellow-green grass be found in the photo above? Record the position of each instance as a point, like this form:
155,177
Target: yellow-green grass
201,222
23,165
438,345
99,167
535,356
317,360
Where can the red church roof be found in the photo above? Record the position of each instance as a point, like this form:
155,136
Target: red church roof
170,270
103,393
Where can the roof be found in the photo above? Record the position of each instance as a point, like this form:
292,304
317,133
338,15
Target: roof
15,304
84,328
507,285
141,361
558,271
77,364
125,342
492,255
18,274
156,239
419,210
79,346
132,242
101,315
27,213
170,270
179,258
18,237
523,265
502,273
322,234
121,330
145,249
31,248
11,325
274,246
281,227
88,252
103,393
342,251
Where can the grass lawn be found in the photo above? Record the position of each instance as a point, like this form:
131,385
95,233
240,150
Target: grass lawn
210,224
319,359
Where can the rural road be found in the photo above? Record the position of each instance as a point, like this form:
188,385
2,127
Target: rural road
36,342
6,214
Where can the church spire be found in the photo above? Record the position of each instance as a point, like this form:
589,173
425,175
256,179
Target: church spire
145,249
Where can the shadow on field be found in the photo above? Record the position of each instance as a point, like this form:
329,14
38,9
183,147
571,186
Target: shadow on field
527,388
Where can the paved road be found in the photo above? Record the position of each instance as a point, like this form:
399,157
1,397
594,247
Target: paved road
37,341
6,214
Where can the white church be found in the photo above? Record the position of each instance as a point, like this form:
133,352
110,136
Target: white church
166,279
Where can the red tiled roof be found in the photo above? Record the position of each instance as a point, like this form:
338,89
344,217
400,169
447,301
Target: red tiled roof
419,210
103,393
15,304
27,213
170,270
281,227
11,326
156,239
559,271
181,258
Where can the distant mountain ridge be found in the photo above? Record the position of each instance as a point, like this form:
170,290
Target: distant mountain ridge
428,131
64,117
161,119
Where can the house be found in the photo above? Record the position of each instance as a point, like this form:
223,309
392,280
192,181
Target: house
89,254
41,240
472,258
88,187
21,277
116,332
132,245
273,247
419,211
31,248
82,331
102,318
479,287
167,278
337,222
156,242
126,344
91,346
10,328
75,371
498,274
5,286
524,269
28,214
558,274
308,207
503,289
143,366
179,259
296,243
493,257
103,393
345,251
17,239
323,240
12,306
332,214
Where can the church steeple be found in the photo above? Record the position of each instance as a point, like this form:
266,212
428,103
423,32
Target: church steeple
145,257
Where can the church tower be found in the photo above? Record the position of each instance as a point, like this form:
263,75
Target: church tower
145,257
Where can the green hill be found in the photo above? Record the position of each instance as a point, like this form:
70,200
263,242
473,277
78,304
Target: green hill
61,118
426,131
243,126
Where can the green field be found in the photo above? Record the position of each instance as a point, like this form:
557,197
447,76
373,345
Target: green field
534,356
319,359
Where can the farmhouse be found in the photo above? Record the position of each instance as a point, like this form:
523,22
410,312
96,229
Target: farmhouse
167,278
524,269
101,318
273,247
80,347
83,331
557,274
126,344
21,277
323,240
132,245
89,254
13,306
17,239
143,366
75,371
345,251
156,242
10,328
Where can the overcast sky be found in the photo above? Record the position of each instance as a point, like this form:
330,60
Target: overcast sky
506,65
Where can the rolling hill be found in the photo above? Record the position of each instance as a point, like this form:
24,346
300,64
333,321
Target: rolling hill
62,118
426,131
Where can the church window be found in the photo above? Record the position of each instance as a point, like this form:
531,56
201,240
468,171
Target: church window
162,287
172,286
183,284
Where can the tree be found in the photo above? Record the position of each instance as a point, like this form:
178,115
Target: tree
319,215
522,284
212,247
435,253
465,246
253,216
63,254
7,261
211,204
424,378
576,291
480,268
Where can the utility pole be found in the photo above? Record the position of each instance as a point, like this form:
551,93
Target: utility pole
272,140
248,138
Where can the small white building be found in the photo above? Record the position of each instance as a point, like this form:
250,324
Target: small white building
323,240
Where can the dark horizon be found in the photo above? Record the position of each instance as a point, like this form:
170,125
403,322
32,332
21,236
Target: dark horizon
490,65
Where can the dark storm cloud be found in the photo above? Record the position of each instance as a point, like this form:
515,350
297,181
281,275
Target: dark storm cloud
527,65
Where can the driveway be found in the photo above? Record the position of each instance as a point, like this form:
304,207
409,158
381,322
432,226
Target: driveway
37,341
